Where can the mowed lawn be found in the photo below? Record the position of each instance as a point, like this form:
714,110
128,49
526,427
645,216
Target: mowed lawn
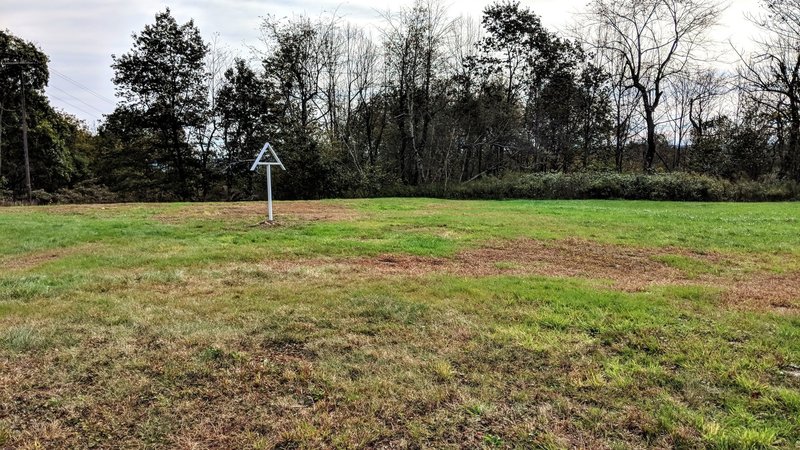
401,323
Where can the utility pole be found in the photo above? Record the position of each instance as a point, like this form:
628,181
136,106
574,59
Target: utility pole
2,108
23,124
25,141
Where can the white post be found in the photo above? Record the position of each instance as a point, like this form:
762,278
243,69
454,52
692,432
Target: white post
269,191
275,161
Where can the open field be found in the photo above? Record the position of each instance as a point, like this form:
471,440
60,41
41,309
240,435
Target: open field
399,323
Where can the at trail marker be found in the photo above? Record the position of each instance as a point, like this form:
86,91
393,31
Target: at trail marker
268,159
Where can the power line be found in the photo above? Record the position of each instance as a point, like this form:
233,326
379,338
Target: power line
56,72
78,99
101,97
92,115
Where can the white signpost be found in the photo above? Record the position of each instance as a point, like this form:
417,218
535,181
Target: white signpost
271,160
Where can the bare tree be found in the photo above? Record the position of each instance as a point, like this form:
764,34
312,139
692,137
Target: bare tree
331,59
361,124
679,91
695,102
771,74
414,43
295,60
462,45
624,99
705,103
207,135
656,39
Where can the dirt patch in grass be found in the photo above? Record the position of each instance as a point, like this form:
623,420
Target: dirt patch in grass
284,211
634,269
35,259
630,269
85,209
780,293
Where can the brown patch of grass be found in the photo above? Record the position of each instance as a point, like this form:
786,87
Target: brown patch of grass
35,259
630,269
779,293
255,211
88,209
250,389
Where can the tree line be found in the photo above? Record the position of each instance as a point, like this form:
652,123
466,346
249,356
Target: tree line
428,100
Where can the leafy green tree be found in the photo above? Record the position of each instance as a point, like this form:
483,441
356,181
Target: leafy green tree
517,49
55,157
555,101
162,82
23,72
293,72
742,149
124,162
249,112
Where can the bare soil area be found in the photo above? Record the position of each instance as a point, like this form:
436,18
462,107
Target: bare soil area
256,211
34,259
630,269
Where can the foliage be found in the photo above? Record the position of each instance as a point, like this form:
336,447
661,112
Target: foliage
609,185
430,105
60,145
161,81
86,192
248,116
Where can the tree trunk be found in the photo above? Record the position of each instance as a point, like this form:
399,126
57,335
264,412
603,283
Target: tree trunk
465,168
587,133
184,187
1,140
619,148
228,169
793,152
651,140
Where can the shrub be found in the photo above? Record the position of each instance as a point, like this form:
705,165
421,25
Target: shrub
42,197
606,185
86,192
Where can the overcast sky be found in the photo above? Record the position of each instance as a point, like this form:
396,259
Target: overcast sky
81,35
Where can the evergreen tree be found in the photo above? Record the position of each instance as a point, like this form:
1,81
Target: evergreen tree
248,112
162,82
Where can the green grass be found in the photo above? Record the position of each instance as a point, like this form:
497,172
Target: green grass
167,326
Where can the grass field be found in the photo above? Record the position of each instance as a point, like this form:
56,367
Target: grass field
401,323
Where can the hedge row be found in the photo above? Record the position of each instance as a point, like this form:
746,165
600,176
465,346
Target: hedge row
599,185
673,186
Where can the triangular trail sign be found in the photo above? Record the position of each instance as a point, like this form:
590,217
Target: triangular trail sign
268,160
271,158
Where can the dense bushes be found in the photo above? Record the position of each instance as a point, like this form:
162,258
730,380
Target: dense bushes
673,186
594,185
86,192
